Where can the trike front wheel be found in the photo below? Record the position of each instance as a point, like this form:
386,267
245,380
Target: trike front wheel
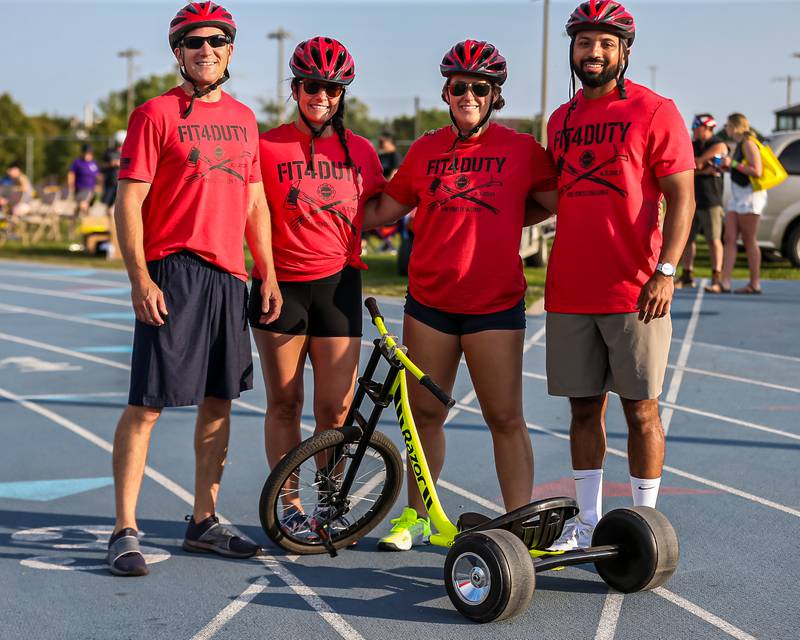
299,493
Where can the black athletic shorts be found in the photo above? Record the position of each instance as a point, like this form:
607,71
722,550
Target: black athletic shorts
203,349
459,324
326,308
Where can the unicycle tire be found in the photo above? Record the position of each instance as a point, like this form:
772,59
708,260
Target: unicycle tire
649,549
489,575
378,482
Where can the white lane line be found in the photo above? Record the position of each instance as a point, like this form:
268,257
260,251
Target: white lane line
534,339
332,618
749,352
62,318
74,396
86,280
607,627
736,421
70,295
609,617
678,472
460,491
701,613
683,358
66,352
241,601
467,399
532,427
725,376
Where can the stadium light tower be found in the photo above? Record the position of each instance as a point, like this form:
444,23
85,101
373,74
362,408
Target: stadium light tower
280,34
129,54
543,110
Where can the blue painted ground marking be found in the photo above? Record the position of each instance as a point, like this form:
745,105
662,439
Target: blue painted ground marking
78,273
112,348
115,291
111,315
46,490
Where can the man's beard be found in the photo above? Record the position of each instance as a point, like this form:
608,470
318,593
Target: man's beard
595,80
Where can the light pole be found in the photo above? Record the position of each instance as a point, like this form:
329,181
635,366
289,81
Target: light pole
788,79
280,34
543,110
129,54
653,69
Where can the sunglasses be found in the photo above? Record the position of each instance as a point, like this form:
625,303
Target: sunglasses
313,87
479,89
197,42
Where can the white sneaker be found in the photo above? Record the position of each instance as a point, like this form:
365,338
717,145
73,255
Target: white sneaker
576,535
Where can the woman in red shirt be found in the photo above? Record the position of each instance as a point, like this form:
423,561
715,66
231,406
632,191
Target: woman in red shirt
470,183
317,177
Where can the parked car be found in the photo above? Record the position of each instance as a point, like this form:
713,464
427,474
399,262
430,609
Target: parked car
779,228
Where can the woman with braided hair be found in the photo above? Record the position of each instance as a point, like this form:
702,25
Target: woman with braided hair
317,176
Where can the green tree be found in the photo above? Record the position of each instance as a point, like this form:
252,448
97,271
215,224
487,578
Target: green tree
14,126
358,120
113,109
55,147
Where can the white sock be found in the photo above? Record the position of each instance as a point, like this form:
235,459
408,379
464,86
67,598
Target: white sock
645,491
589,493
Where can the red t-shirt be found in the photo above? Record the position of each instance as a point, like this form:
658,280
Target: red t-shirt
199,169
608,237
316,215
469,218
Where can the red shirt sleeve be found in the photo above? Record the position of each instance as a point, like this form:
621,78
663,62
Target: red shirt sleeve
669,146
401,186
255,166
140,151
545,178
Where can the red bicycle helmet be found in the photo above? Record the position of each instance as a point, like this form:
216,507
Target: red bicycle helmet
602,15
476,57
200,14
323,58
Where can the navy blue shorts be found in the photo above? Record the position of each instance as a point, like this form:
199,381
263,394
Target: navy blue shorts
329,307
459,324
203,349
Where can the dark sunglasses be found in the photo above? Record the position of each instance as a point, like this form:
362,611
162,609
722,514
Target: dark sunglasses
313,87
479,89
197,42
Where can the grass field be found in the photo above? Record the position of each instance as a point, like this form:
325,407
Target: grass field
382,278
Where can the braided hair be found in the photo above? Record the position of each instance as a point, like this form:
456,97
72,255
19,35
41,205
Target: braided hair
337,122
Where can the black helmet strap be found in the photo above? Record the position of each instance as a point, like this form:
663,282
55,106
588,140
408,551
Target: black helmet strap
199,93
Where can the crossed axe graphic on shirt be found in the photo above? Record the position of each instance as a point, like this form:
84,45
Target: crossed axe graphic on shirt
295,194
589,175
195,155
437,183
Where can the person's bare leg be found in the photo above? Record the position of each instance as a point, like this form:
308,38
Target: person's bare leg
335,364
437,354
748,225
715,253
587,432
645,438
729,256
282,358
212,431
494,359
129,457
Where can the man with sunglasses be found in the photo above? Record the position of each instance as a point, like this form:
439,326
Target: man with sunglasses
620,149
190,190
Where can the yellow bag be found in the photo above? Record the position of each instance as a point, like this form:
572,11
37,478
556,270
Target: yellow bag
772,173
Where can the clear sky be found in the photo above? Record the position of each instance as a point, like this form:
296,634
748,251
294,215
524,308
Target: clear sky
717,56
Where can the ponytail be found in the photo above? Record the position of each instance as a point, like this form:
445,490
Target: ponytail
337,122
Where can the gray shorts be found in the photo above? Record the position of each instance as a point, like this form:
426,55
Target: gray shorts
589,355
711,221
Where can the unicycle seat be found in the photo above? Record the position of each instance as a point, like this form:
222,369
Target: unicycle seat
538,524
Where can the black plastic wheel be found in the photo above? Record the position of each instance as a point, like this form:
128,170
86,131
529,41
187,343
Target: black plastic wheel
649,549
489,575
312,472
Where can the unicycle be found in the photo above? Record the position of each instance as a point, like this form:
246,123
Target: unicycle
338,485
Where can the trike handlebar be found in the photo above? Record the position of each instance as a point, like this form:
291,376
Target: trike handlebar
399,355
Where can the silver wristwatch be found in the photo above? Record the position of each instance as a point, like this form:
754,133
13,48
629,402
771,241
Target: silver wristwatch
666,269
